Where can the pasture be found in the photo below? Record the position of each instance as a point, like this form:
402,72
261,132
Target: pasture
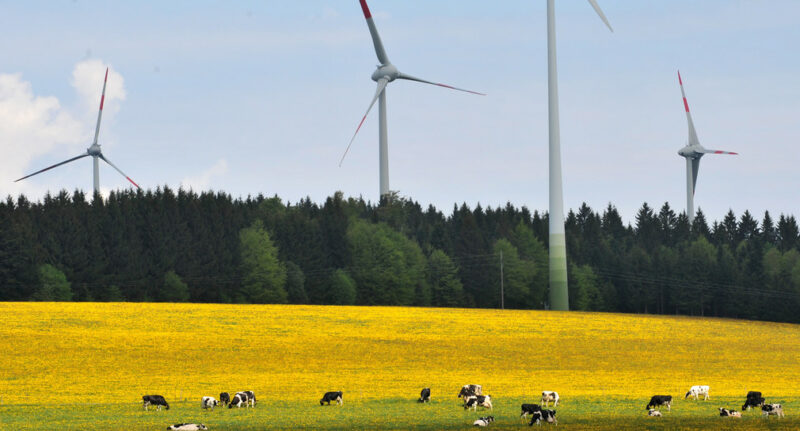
78,366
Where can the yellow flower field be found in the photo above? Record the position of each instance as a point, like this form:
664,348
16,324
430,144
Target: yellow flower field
117,352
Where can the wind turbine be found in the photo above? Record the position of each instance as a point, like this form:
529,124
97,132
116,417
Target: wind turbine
386,72
93,150
559,292
692,152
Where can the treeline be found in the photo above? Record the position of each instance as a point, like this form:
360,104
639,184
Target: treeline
167,245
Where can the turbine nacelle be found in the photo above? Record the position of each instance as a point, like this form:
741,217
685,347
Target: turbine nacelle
94,150
690,152
387,71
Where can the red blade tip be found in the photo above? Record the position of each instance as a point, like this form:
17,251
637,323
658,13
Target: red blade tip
365,8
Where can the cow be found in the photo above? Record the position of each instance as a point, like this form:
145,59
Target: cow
187,427
224,398
754,399
470,390
545,415
154,400
654,413
474,401
331,396
246,398
483,422
529,409
730,413
772,409
208,403
548,396
660,400
696,391
425,396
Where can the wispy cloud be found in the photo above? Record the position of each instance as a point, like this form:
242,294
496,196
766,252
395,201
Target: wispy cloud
202,181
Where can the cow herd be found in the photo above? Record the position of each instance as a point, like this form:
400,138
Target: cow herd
473,397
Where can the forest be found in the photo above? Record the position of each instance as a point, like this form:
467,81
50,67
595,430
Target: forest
183,246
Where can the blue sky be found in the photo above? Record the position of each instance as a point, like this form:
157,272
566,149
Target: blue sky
262,97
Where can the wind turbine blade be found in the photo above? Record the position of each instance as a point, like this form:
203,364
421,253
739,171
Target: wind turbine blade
118,170
411,78
600,12
100,113
376,38
692,132
54,166
695,169
381,86
707,151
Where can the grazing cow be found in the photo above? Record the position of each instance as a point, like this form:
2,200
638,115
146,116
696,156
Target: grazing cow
483,422
154,400
654,412
224,398
696,391
331,396
730,413
660,400
772,409
208,403
529,409
246,398
187,427
425,395
754,399
470,390
474,401
545,415
548,396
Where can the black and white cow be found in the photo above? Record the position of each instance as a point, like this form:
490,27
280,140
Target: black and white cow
425,395
545,415
696,391
224,398
245,398
154,400
548,396
208,403
660,400
654,413
331,396
474,401
772,409
754,399
470,390
529,409
187,427
730,413
483,422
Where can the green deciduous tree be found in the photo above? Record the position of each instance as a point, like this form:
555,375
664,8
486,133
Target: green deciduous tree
263,275
53,285
174,289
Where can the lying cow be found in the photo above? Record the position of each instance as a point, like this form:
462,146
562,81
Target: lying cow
483,422
772,409
754,399
730,413
545,415
529,409
470,390
696,391
654,412
224,398
548,396
208,403
474,401
154,400
331,396
425,395
660,400
187,427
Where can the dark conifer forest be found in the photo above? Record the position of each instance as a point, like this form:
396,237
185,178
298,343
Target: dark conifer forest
177,246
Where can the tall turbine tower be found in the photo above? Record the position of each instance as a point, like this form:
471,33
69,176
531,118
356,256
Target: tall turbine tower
386,73
693,151
559,292
93,150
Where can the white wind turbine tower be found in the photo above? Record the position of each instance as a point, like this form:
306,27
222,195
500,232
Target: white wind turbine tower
559,292
93,150
693,151
386,73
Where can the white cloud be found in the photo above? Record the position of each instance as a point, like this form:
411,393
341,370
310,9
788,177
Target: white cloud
201,182
87,79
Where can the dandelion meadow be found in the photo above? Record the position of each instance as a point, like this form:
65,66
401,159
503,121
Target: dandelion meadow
85,366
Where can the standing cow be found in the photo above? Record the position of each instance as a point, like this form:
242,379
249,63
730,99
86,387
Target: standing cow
660,400
696,391
154,400
470,390
548,396
425,396
331,396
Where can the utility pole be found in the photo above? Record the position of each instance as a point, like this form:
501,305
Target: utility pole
502,293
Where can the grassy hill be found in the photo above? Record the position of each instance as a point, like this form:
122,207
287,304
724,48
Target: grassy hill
86,365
